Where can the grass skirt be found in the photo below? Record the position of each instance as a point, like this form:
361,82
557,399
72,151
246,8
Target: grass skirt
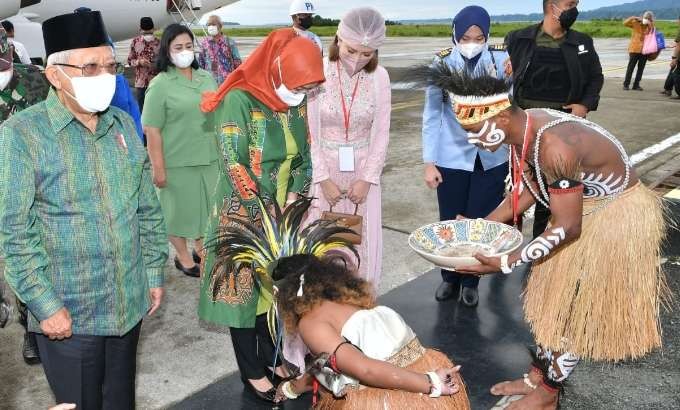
369,398
599,296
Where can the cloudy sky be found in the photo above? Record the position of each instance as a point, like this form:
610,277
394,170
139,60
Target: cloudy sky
254,12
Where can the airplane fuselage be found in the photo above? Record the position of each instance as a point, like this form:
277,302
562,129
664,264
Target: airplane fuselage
120,16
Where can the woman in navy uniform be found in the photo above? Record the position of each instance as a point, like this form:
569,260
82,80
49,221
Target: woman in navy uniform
469,181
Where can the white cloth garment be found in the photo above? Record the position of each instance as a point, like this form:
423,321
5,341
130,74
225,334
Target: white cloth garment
21,51
380,333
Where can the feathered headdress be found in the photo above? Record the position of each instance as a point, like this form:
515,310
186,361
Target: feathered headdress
473,98
243,243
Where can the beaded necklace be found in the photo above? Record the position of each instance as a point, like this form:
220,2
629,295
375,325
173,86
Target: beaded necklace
544,199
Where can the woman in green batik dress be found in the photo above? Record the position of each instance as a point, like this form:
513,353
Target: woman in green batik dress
260,112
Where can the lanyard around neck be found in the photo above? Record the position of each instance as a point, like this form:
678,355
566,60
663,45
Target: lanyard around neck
347,113
518,170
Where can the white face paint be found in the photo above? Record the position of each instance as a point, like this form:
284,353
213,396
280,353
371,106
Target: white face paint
489,137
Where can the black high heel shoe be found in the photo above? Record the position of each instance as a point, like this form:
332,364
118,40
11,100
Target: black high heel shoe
194,271
267,396
196,256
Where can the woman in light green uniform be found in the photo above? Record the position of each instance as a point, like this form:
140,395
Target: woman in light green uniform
260,114
182,143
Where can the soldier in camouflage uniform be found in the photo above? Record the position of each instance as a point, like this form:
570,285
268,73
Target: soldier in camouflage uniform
20,87
26,87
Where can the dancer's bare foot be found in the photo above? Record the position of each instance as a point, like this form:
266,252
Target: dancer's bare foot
517,387
538,399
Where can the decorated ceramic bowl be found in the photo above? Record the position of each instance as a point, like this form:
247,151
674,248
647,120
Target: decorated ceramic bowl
452,244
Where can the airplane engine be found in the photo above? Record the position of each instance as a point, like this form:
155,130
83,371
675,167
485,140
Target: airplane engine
9,8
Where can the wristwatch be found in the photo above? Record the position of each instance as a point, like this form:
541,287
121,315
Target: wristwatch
505,268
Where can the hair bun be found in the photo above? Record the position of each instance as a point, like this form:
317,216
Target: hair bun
292,265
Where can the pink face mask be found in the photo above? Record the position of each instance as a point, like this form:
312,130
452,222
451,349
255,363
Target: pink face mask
353,63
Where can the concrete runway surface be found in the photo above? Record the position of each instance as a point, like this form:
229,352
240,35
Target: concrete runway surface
178,357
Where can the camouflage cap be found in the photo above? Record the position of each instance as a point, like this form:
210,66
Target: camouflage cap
5,51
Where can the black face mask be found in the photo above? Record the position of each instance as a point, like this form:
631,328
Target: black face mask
306,22
568,18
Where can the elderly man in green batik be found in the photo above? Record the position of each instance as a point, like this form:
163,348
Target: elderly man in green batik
81,228
20,87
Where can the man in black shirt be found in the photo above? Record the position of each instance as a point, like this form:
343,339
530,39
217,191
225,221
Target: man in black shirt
673,79
554,67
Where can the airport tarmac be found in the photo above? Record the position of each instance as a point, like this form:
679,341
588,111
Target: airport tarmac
178,357
399,52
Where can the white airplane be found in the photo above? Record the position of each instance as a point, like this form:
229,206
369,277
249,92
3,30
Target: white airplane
121,17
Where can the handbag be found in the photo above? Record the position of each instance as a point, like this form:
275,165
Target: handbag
649,46
660,41
351,221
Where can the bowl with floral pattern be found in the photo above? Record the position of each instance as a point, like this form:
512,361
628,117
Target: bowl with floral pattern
452,244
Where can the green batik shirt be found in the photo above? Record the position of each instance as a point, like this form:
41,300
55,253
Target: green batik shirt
80,224
28,86
253,144
263,153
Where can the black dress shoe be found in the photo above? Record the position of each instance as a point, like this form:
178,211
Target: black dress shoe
30,349
667,93
470,297
267,396
446,291
638,88
194,271
197,258
626,88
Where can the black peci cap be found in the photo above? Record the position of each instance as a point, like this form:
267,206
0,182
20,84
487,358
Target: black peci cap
146,23
83,29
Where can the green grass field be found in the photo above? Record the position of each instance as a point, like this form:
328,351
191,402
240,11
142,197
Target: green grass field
598,29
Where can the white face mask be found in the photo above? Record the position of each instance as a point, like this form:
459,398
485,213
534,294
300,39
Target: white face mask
213,30
5,78
471,50
487,137
183,59
287,96
93,94
148,37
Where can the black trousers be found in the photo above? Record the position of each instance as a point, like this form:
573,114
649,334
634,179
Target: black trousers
254,349
141,94
471,194
5,309
94,372
673,80
635,59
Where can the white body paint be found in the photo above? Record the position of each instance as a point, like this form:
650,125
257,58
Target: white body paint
541,246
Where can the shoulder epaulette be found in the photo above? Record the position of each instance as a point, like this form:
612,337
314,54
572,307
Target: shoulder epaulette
445,52
498,47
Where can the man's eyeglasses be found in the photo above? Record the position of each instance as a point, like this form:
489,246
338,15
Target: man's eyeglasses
92,69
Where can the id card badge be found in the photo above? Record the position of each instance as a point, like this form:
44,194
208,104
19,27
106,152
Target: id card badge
346,158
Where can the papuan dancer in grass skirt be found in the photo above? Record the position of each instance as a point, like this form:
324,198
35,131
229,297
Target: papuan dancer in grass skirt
596,285
363,355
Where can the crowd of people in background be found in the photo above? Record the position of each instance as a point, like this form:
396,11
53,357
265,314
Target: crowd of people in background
208,142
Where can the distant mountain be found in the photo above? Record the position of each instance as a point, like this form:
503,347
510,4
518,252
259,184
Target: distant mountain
662,9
